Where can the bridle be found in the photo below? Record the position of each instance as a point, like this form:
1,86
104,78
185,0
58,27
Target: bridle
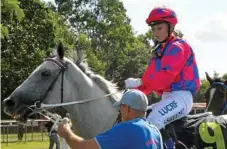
225,104
39,106
36,108
62,67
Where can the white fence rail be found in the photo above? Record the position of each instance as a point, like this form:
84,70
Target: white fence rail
33,130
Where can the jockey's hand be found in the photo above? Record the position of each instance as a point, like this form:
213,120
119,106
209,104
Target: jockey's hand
64,128
151,106
132,83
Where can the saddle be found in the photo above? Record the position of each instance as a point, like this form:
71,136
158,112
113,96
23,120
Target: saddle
180,125
195,116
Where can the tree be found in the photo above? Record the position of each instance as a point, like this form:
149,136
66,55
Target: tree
178,33
224,77
114,51
30,39
200,96
216,74
10,11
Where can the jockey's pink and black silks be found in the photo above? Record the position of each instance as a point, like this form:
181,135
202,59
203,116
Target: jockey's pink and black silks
174,105
175,70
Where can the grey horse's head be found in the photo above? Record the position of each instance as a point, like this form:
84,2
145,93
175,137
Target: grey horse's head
60,80
45,78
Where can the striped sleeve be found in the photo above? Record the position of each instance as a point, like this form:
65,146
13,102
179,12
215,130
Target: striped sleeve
162,72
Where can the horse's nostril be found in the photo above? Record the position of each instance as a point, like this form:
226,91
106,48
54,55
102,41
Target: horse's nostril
10,103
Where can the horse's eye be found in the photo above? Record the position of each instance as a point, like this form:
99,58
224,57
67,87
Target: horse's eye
45,73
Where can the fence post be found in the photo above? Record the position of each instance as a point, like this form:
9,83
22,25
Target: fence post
25,133
32,128
17,132
7,131
4,131
11,128
41,128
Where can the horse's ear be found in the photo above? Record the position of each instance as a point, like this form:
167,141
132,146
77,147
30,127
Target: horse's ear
60,50
209,78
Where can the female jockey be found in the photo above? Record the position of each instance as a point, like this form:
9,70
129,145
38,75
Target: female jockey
172,72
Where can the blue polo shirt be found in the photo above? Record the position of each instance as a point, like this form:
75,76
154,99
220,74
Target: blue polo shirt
133,134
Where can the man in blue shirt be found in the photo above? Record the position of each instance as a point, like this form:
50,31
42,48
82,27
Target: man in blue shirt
134,132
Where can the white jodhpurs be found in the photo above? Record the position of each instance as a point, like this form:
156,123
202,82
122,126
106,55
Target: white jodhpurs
173,105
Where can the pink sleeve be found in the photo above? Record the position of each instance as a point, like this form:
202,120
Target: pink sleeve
161,73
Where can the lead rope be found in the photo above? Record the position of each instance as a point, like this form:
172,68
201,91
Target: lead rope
56,119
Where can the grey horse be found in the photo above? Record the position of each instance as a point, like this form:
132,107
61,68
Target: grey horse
59,79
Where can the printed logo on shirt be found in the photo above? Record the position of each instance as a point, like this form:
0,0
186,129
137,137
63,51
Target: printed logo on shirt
151,142
174,117
168,108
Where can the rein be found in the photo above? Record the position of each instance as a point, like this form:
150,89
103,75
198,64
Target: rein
40,108
39,105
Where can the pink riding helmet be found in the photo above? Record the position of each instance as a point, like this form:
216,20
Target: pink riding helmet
160,14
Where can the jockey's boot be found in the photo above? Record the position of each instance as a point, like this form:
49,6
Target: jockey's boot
167,140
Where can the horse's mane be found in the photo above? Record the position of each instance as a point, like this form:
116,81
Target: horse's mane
108,86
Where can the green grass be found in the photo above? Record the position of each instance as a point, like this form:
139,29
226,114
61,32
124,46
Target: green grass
27,145
28,137
36,143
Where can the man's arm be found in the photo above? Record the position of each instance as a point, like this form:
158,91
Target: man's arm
76,142
111,139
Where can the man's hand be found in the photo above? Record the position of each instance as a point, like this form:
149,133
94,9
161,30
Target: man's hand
64,128
74,141
132,83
